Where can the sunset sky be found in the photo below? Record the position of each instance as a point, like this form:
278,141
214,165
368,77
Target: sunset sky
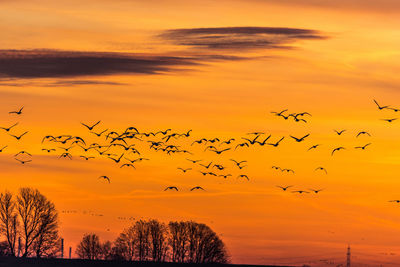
218,68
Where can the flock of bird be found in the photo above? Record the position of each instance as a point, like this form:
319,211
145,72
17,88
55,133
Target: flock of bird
121,147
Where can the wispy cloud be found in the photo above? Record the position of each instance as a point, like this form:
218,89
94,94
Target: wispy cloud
239,38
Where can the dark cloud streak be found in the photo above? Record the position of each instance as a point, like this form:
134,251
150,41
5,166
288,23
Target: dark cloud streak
239,38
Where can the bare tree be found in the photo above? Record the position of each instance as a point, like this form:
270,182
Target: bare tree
142,240
178,239
89,247
125,244
204,245
47,243
8,221
38,222
158,240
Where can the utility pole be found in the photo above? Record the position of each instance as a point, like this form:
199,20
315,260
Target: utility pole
348,257
62,248
70,252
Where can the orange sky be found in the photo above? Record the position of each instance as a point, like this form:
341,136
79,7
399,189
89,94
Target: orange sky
217,92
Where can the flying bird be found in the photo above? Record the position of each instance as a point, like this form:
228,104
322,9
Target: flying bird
313,147
321,169
300,191
128,165
23,161
339,132
22,152
362,147
90,127
18,137
379,106
277,143
86,158
300,139
284,188
390,120
337,149
194,161
9,128
105,178
197,188
184,170
171,188
19,112
243,176
316,191
363,132
48,150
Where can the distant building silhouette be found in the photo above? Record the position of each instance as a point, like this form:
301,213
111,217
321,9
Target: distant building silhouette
348,257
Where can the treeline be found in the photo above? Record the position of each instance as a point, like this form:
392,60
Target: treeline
151,240
29,227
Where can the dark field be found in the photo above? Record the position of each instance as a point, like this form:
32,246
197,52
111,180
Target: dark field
19,262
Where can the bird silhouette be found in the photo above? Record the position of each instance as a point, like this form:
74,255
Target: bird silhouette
218,152
313,147
363,132
194,161
184,170
380,107
197,188
206,166
23,161
48,150
339,132
243,176
187,134
264,142
337,149
9,128
118,159
66,155
128,165
277,143
316,191
300,191
100,133
362,147
300,139
18,137
227,142
225,175
284,188
86,158
171,188
280,113
322,169
390,120
241,145
18,112
251,141
90,127
238,163
395,200
105,178
276,168
287,170
22,152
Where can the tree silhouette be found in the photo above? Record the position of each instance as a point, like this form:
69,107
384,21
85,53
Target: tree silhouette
9,222
39,223
34,218
90,247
